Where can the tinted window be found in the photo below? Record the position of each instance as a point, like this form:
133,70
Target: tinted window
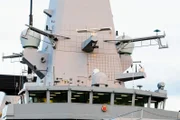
58,96
80,97
157,102
122,99
37,96
141,100
101,98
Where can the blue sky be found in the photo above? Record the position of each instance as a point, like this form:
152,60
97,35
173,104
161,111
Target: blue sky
136,18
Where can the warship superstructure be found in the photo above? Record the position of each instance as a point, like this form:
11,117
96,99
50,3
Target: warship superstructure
80,71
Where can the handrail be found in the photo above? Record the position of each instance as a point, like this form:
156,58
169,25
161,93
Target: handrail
141,116
125,114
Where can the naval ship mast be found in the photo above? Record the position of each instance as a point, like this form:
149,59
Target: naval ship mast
46,70
80,69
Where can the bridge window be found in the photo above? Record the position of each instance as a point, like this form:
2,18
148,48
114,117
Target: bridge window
122,99
141,100
37,96
80,97
58,96
157,102
101,98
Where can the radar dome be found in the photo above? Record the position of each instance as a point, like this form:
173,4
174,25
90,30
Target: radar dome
128,47
99,78
95,71
161,85
30,38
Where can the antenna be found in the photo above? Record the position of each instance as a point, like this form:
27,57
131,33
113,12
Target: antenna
157,31
117,33
30,15
94,31
31,24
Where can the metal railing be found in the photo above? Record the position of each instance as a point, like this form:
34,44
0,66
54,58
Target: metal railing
139,115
